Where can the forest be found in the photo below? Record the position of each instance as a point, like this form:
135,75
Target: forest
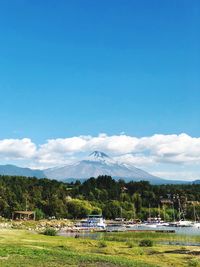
102,195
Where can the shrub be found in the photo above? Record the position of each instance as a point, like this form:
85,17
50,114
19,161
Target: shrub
146,243
193,263
39,214
183,248
129,244
50,232
102,244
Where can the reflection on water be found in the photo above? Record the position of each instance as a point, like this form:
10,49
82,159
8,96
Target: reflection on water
178,230
186,231
91,235
179,243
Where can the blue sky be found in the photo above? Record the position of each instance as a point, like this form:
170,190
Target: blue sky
84,67
70,68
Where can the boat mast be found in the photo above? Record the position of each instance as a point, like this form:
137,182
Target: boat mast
149,211
179,209
121,211
164,215
158,211
134,215
194,210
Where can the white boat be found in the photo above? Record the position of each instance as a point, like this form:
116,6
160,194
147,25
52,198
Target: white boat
94,221
154,222
164,224
196,225
184,223
150,225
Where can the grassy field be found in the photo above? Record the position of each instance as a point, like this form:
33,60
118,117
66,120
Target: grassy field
23,248
156,237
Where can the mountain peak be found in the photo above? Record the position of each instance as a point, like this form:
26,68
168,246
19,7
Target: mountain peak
98,155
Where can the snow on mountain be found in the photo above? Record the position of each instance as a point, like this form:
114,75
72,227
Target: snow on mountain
98,156
98,163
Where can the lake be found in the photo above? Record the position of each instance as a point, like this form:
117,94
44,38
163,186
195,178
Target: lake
186,231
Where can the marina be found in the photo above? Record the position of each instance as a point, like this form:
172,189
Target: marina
91,230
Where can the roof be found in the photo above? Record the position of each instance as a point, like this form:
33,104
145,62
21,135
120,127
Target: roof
24,212
94,216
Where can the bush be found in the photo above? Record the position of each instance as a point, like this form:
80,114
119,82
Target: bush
146,243
102,244
50,232
39,214
129,244
193,263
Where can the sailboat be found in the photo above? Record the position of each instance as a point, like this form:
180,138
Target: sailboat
195,224
181,222
154,222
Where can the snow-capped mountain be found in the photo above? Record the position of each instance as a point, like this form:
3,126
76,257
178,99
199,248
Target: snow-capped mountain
100,156
98,163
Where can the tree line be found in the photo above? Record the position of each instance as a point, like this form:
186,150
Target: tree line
102,195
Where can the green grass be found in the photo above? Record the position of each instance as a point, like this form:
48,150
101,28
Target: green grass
156,237
50,232
22,248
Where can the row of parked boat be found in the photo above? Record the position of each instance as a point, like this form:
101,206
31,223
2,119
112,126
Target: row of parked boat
181,223
98,222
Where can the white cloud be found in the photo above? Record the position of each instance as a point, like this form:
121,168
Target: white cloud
178,175
116,144
17,148
139,160
172,148
145,152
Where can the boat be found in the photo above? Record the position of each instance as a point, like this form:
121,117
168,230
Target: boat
116,225
181,222
154,222
184,223
196,225
94,222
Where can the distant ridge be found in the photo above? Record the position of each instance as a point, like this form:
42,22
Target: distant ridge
13,170
196,182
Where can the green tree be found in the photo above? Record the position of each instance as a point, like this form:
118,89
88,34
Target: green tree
39,214
137,200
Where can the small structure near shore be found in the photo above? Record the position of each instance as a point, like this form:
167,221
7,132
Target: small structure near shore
23,215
